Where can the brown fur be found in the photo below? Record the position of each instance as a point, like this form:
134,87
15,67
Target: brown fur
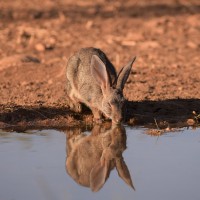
92,80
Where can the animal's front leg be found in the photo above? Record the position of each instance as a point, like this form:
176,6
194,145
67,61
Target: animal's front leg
74,103
97,115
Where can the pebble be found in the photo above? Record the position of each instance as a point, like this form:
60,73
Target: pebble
191,45
190,122
50,43
40,47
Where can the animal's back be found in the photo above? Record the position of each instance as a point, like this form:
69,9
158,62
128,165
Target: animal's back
79,74
79,64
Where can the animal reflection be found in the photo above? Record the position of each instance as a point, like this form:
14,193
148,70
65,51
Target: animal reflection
90,158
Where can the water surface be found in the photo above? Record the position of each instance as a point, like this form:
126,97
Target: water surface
32,166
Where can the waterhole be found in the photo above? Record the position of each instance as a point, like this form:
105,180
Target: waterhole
102,163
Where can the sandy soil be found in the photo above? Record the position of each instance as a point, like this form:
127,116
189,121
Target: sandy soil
37,39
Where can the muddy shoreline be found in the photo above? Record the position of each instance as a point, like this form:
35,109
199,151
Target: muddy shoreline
175,113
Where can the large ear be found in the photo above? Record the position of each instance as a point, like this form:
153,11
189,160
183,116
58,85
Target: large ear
98,176
99,72
124,74
123,172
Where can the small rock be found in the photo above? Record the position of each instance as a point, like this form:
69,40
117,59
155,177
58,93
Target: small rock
40,47
192,45
149,44
190,122
50,81
128,43
23,83
89,24
50,43
30,59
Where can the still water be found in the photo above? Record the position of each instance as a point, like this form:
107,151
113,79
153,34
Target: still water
52,165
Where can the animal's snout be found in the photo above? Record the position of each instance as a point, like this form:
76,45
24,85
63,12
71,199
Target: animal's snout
117,120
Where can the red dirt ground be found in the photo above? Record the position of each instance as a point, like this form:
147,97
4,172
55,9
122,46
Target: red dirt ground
37,39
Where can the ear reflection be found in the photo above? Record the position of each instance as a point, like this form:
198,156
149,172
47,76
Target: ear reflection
90,158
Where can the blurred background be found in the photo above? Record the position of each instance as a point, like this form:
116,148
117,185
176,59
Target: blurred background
37,37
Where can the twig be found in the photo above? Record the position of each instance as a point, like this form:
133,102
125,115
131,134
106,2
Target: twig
37,112
156,124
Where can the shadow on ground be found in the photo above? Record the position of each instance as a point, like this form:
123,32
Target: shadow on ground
172,112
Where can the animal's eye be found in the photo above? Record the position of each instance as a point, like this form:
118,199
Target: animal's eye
112,102
123,100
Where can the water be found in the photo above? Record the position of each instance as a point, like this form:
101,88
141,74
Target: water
33,165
